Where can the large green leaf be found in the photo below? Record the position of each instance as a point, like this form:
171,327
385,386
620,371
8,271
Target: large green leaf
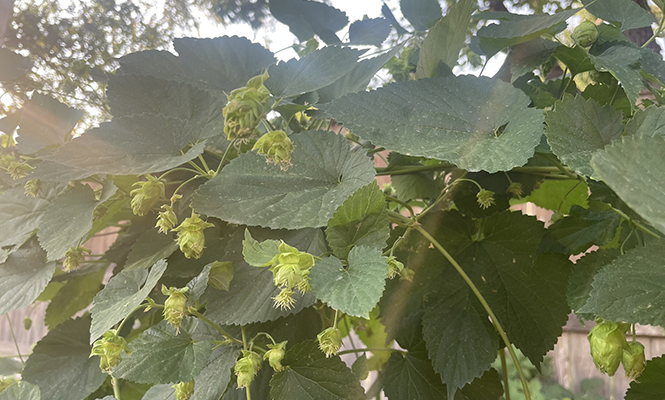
314,71
647,122
133,145
581,278
475,123
558,195
631,287
371,31
21,390
211,383
354,290
445,40
45,122
60,363
121,295
360,220
584,228
577,127
13,66
149,248
76,295
68,219
20,214
251,292
308,374
651,384
623,63
324,173
627,14
23,276
632,168
220,64
10,366
524,58
159,392
307,18
163,355
138,94
420,13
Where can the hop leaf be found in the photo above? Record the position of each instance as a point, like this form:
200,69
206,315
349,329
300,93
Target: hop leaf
585,34
184,390
330,340
246,107
634,360
74,257
608,342
175,305
276,147
275,355
247,367
146,195
109,348
190,236
485,198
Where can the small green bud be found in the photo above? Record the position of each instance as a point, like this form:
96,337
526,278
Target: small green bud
608,342
184,390
19,169
284,299
277,147
109,348
247,367
166,220
633,360
275,355
485,198
74,257
175,305
246,107
146,195
515,189
190,236
585,34
330,340
33,187
407,274
394,267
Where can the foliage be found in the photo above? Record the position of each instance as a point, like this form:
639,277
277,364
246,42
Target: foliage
252,237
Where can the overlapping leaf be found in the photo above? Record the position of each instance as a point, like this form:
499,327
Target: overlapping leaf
651,384
584,228
21,390
213,380
324,173
13,66
45,122
475,123
60,363
623,63
581,278
373,31
76,295
627,14
420,13
149,248
576,128
307,18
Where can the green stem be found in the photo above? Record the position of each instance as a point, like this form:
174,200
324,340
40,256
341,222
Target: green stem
245,347
116,388
442,196
661,25
217,327
369,349
411,169
486,306
504,371
122,323
186,182
221,162
196,167
204,163
335,319
635,223
405,205
11,329
563,200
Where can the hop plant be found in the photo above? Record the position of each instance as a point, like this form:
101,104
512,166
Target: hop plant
19,169
7,159
175,305
394,267
247,367
184,390
275,355
585,34
330,340
407,274
633,360
166,219
74,257
246,107
190,236
146,195
33,187
485,198
290,268
108,348
608,342
515,189
276,147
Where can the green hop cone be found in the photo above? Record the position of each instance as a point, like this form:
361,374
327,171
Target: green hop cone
166,220
146,195
330,340
74,257
585,34
7,159
515,189
633,360
290,270
394,267
276,147
608,342
275,355
19,169
184,390
247,367
485,198
246,107
175,305
190,236
33,187
284,300
109,348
